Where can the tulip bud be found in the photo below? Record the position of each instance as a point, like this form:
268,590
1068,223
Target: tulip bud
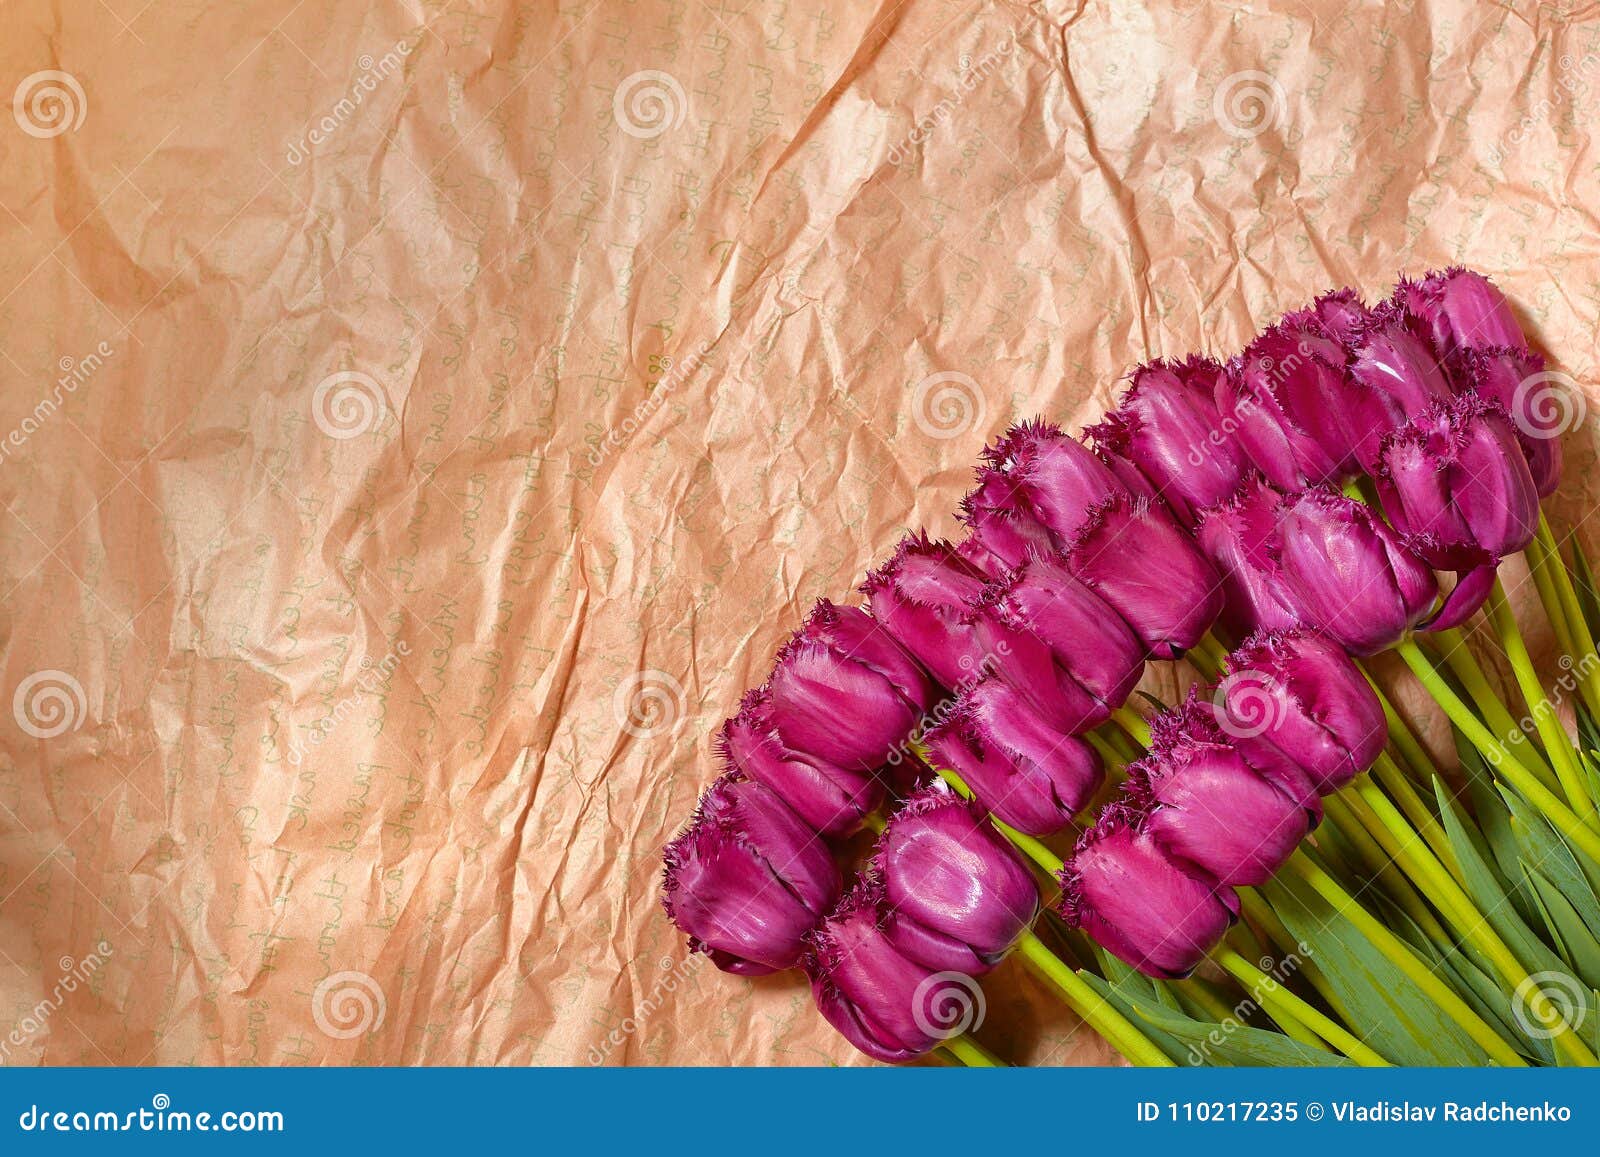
1296,694
843,691
1135,558
1455,482
747,880
880,1000
833,800
1340,312
1002,530
1235,537
959,895
1348,573
1167,425
1030,775
1516,379
1038,473
1150,910
1462,310
1207,806
1396,358
1088,640
922,596
1294,407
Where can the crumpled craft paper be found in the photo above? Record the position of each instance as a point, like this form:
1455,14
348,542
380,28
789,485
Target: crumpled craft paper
421,421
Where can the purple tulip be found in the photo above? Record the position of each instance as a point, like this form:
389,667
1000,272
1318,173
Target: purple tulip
923,598
1455,482
959,895
832,799
843,691
1030,775
1340,312
1348,573
1002,530
1167,425
1036,478
1135,558
1462,310
879,999
1516,378
1295,698
1294,407
747,880
1150,910
1235,537
1088,640
1396,358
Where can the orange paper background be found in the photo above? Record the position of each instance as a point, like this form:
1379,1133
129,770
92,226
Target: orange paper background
381,692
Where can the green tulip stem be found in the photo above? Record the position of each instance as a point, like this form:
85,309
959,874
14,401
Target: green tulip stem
1096,1011
1422,817
1583,652
1133,723
1539,707
1539,567
1406,847
1023,842
1400,734
972,1054
1505,765
1404,959
1341,811
1283,1004
1453,649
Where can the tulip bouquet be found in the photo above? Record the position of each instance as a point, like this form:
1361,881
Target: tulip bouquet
1274,870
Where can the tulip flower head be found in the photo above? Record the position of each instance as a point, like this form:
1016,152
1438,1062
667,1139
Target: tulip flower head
844,691
747,880
1396,358
1462,310
1539,407
833,800
1148,908
1235,536
1167,425
959,895
1041,479
1348,573
922,596
1033,776
1295,698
